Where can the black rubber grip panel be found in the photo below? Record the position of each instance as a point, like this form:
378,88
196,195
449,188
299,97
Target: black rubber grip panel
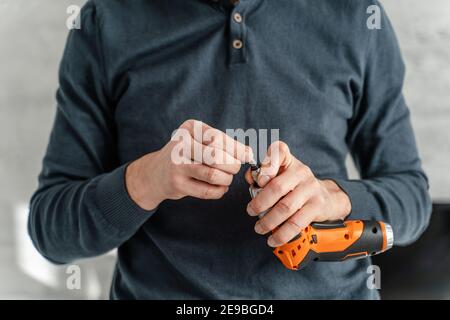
371,241
310,256
323,225
328,224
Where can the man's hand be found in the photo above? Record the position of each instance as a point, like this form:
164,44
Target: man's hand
161,175
296,195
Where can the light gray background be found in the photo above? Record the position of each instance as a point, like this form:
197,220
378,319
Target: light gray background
32,37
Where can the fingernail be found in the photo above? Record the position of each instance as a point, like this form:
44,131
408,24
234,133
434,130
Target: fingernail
271,242
250,211
263,180
258,228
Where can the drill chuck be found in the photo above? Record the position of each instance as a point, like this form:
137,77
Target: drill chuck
389,236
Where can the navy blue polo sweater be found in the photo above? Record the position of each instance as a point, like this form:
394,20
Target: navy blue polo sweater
137,69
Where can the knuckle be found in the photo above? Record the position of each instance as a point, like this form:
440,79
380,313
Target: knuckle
283,146
221,193
206,193
307,171
299,170
249,151
293,224
321,200
218,157
184,144
222,158
280,237
264,225
304,172
276,186
276,144
213,152
256,206
216,195
316,184
217,138
181,144
187,123
284,208
229,179
211,175
236,168
280,146
185,148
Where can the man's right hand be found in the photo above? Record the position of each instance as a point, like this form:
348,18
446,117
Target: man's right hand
157,176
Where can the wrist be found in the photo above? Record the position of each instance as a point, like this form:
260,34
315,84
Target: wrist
340,200
140,186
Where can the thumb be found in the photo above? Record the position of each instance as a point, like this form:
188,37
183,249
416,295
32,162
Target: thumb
278,158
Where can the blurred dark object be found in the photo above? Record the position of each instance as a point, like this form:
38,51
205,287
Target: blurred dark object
421,270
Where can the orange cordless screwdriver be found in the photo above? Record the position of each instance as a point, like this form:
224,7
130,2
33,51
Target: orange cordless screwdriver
330,240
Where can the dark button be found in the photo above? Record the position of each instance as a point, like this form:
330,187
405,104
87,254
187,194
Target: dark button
234,2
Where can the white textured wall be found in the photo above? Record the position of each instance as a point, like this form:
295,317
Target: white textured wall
423,29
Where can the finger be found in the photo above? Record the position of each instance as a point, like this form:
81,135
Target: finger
213,157
203,190
208,135
249,177
216,138
208,174
293,226
283,210
277,188
278,157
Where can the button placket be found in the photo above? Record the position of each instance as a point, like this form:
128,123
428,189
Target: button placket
237,33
